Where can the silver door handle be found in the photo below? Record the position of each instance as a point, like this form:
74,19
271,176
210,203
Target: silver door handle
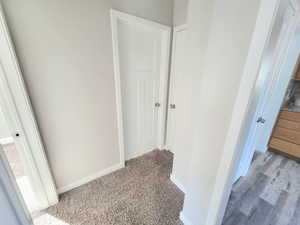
172,106
261,120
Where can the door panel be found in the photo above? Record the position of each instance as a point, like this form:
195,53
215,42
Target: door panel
139,49
269,90
178,92
179,105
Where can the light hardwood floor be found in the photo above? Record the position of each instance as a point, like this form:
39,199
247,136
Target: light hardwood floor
268,195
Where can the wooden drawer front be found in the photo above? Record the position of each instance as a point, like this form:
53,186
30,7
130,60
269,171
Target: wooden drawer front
284,146
286,115
288,124
287,135
297,75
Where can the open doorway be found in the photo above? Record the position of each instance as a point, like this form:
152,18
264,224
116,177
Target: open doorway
267,182
21,147
17,165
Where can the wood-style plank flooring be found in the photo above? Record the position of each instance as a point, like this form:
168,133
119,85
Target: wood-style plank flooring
268,195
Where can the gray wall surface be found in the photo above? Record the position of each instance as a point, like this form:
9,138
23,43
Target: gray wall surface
160,11
180,12
65,51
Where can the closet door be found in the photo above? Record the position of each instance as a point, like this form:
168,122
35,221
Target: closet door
143,50
177,112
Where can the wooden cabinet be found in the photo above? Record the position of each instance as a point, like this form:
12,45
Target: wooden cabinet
286,133
288,124
286,147
297,74
291,116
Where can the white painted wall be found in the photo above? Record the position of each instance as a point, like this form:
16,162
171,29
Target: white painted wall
65,51
220,34
180,12
199,39
4,131
160,11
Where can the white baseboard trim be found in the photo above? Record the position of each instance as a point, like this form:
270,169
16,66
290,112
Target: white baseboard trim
177,183
6,141
89,178
184,219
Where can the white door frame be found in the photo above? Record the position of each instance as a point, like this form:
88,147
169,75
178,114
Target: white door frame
166,35
171,100
235,139
18,112
271,85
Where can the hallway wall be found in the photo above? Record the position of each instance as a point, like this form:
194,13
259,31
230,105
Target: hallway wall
180,12
219,33
65,52
155,10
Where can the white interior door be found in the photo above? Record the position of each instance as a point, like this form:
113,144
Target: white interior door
142,48
177,113
269,90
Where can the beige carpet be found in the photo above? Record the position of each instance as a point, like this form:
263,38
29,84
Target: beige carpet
140,194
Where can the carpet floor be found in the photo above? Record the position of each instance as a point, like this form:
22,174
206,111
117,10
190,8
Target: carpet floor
268,195
139,194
